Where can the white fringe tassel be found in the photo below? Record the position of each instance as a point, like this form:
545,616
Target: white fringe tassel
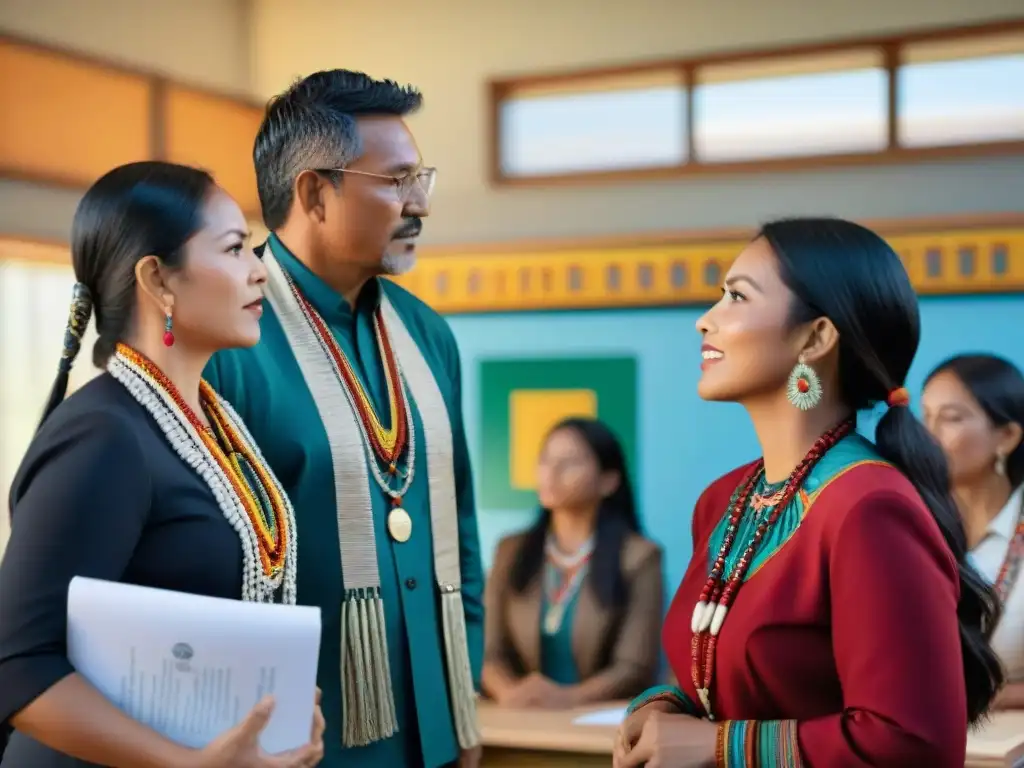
368,702
460,676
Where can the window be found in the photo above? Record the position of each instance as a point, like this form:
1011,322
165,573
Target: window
961,91
34,302
817,105
634,121
906,98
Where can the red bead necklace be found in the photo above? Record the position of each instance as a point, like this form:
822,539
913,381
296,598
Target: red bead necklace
718,594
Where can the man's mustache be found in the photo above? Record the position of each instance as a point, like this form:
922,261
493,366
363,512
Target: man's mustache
411,228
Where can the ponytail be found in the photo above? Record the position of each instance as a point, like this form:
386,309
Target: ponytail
78,321
903,440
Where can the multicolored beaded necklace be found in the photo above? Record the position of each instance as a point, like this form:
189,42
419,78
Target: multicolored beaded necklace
710,611
227,458
385,446
1010,568
563,577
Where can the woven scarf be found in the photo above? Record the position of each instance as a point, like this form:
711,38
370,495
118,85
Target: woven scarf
367,697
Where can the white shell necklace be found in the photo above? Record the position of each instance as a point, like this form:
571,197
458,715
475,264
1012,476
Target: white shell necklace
257,584
564,575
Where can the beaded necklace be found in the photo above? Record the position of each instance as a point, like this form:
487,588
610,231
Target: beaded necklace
710,611
226,457
564,576
1010,568
384,446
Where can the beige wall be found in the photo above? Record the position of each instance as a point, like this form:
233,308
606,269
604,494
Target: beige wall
205,42
450,47
198,41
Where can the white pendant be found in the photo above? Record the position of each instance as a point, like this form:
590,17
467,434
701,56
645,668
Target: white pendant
705,620
400,525
698,614
553,619
719,618
705,701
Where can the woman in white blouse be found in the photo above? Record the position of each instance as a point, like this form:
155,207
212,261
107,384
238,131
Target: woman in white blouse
974,406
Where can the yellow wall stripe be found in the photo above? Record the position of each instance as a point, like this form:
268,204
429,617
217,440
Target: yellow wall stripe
952,260
939,261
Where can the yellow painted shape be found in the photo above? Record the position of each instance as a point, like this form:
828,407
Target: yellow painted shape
532,413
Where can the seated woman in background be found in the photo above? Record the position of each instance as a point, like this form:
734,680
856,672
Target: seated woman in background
574,604
974,405
828,618
144,475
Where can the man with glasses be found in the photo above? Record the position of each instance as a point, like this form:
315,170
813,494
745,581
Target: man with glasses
354,397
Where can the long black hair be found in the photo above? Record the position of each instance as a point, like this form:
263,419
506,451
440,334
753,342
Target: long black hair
849,274
998,387
140,209
616,519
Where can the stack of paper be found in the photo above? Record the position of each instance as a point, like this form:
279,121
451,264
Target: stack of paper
192,667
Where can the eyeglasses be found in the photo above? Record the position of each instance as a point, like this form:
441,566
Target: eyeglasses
405,184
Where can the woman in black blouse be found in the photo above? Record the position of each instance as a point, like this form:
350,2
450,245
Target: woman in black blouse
144,475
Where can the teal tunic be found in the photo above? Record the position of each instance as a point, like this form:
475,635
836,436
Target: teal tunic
557,662
266,387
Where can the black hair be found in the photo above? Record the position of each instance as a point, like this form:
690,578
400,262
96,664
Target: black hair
616,519
998,387
849,274
140,209
312,126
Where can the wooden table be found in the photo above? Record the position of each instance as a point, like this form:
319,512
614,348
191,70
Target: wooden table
533,738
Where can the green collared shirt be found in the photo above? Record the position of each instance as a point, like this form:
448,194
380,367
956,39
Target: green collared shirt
266,387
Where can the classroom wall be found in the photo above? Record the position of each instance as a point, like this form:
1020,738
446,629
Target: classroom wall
685,443
450,48
201,42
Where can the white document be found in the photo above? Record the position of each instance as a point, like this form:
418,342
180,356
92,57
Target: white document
606,717
192,667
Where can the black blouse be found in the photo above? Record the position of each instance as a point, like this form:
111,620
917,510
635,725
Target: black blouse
100,493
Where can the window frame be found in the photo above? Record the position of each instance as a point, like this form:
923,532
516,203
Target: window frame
502,90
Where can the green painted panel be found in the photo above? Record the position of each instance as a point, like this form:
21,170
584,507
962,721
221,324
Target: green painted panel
613,379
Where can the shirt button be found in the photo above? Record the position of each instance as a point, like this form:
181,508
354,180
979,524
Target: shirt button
410,583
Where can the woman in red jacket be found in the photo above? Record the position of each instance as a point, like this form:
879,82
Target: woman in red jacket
827,618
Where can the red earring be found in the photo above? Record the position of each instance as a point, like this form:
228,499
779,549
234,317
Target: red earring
168,333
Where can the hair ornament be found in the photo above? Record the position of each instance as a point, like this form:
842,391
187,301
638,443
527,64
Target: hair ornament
898,398
78,321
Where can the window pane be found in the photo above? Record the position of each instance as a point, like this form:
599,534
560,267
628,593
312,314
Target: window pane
595,129
960,101
800,107
34,302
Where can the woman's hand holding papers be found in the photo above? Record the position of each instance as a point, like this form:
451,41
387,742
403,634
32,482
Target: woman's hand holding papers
240,747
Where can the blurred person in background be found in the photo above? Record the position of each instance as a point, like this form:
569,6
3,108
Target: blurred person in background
354,396
974,406
821,570
574,604
142,476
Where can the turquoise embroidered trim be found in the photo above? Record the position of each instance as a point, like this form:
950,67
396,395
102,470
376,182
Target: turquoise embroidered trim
759,744
669,693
